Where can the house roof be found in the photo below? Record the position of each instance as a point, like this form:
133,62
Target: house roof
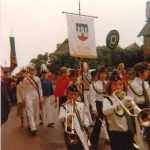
132,46
146,30
63,47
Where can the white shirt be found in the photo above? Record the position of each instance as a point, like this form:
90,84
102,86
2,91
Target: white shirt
30,90
96,93
136,85
67,107
115,122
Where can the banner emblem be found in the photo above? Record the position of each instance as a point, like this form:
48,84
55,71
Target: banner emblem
82,31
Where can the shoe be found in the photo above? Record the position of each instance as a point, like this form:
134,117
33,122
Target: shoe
41,123
51,125
28,129
33,132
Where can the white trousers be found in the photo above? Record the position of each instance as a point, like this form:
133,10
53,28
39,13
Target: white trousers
32,107
47,110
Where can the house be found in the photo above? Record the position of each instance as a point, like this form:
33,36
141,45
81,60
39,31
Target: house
145,32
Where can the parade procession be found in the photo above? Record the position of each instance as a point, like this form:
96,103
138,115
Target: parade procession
80,97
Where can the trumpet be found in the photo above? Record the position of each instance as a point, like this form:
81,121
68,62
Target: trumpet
143,116
71,136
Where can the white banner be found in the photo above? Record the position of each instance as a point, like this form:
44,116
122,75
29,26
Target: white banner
81,36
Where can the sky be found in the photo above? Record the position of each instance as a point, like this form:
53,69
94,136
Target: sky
38,25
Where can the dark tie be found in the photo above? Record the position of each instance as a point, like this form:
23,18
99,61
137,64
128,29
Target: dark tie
145,94
104,87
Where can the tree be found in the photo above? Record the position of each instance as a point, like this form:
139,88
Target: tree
105,57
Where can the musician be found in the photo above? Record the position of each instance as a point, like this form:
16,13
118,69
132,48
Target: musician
139,89
33,96
119,134
76,114
96,96
84,82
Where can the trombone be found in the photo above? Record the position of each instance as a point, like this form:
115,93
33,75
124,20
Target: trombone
143,116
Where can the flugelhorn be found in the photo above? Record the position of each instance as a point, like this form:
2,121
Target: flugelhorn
143,116
69,127
71,136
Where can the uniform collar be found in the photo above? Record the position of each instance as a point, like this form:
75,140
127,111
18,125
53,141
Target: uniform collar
138,80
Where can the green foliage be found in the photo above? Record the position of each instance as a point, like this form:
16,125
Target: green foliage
105,57
58,60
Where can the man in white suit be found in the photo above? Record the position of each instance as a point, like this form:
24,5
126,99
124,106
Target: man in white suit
33,97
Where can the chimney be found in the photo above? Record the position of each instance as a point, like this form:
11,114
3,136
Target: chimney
148,10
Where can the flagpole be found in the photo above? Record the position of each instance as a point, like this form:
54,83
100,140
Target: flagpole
81,59
79,8
11,32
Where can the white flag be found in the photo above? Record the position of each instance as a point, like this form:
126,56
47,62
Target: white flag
81,36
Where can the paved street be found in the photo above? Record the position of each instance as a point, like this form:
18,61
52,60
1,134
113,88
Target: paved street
16,138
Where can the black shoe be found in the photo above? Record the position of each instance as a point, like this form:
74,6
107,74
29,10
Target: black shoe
41,123
28,129
51,125
33,132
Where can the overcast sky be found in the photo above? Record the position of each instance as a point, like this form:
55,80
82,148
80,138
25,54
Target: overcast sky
38,25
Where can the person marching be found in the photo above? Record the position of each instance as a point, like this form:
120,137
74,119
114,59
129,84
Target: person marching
47,89
96,96
33,96
62,84
73,113
84,81
21,111
140,91
120,136
122,72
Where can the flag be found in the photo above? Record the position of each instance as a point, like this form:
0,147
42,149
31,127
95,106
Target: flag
81,36
13,59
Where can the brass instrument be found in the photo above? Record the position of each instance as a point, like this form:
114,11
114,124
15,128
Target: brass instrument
143,116
71,136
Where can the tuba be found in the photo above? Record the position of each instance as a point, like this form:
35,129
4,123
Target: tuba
143,116
71,136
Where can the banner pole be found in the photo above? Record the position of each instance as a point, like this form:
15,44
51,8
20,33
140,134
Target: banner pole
82,87
79,8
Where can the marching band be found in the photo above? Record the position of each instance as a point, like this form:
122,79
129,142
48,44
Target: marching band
106,101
